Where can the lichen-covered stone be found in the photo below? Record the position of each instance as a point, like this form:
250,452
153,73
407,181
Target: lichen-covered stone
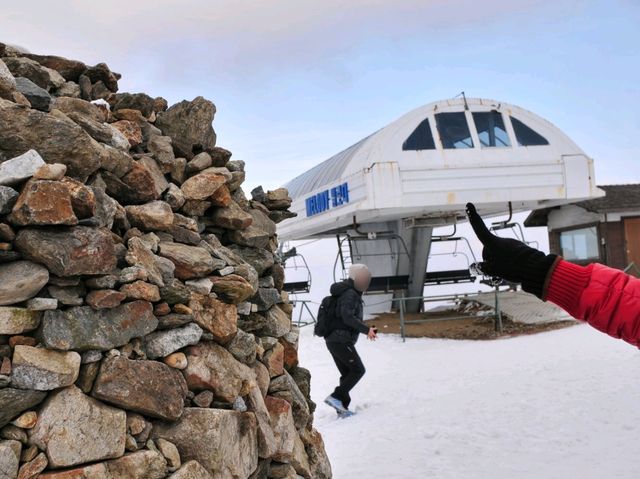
83,328
162,343
74,429
69,252
223,442
148,387
43,369
212,367
18,320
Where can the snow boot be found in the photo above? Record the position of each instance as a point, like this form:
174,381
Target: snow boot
335,404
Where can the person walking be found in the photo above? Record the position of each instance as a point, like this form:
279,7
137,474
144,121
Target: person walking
606,298
341,341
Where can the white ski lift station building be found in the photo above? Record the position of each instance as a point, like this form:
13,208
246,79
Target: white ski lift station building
382,196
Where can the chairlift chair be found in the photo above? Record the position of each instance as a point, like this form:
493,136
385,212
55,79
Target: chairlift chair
295,263
453,276
514,226
348,253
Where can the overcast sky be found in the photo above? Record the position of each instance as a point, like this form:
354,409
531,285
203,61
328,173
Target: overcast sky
296,81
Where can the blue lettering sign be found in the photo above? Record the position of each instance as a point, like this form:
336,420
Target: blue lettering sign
327,199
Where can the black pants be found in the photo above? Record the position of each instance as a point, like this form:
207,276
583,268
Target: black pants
350,367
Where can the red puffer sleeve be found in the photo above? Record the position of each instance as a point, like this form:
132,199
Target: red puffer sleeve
607,298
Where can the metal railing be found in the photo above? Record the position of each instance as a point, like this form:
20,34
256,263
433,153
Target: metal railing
304,304
401,300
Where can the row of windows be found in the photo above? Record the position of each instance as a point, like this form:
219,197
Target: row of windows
454,132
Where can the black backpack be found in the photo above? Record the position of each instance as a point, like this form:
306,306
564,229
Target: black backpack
327,317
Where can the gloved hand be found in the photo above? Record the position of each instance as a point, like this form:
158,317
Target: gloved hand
511,259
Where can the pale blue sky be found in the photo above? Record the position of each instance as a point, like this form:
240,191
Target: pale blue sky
296,81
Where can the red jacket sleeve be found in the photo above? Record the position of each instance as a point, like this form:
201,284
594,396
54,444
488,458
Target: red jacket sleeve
607,298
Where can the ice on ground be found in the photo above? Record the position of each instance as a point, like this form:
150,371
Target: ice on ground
559,404
523,307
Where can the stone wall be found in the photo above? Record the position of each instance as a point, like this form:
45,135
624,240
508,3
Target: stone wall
144,332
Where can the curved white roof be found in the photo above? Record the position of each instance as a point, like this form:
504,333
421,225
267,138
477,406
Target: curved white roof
388,140
439,152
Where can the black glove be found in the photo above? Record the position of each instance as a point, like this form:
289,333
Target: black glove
511,259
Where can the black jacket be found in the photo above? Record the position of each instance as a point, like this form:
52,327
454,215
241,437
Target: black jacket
350,313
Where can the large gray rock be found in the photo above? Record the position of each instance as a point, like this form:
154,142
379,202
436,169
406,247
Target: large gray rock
8,198
139,254
162,343
188,123
14,401
38,97
156,215
222,441
190,261
202,185
102,132
77,106
283,426
18,320
149,387
161,149
69,251
260,259
21,280
69,69
284,387
231,217
274,322
218,318
257,235
265,298
134,101
73,428
20,168
83,328
54,135
243,347
160,183
43,77
101,73
267,443
277,199
319,465
232,287
43,369
9,459
213,368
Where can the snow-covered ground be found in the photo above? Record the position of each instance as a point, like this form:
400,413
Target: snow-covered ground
562,404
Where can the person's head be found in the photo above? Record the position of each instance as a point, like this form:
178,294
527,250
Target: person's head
360,275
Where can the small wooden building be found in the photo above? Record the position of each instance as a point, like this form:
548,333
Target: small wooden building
604,230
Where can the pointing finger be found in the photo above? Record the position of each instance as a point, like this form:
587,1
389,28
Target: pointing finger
480,229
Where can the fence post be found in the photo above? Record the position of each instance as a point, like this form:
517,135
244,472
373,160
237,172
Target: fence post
402,316
498,326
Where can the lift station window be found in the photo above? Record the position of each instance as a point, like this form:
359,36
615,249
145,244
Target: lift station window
525,135
580,244
491,130
420,139
454,130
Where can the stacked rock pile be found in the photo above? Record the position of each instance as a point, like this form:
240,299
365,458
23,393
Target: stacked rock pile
144,332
